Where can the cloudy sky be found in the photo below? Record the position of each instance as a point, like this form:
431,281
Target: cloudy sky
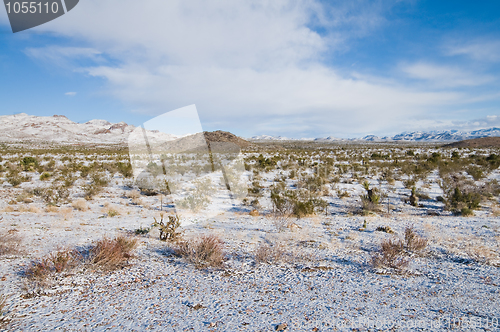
291,68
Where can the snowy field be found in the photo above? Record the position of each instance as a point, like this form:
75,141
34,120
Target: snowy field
321,242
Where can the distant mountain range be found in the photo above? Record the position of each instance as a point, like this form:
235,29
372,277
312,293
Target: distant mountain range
59,129
416,136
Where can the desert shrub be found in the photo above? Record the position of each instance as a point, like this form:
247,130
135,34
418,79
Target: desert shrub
56,262
342,193
256,189
202,251
391,255
29,164
142,230
466,212
282,201
371,200
147,184
110,210
9,243
194,202
110,254
44,176
266,253
471,200
385,229
281,222
55,195
3,311
99,179
475,172
98,182
125,169
80,204
394,253
298,203
168,229
15,179
483,254
460,193
414,242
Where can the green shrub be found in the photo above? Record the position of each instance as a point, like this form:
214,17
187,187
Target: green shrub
466,212
29,164
125,169
44,176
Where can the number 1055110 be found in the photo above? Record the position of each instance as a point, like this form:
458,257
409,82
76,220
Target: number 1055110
31,7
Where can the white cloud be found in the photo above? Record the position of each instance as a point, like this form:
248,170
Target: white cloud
71,94
254,65
64,56
483,50
445,76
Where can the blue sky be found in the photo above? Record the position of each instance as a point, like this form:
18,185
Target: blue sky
291,68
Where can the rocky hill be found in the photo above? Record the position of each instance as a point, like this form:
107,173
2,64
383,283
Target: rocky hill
485,142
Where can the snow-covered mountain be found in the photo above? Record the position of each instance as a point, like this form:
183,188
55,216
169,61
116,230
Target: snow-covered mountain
61,130
416,136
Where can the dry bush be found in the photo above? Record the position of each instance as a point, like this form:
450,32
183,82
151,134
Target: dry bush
111,211
80,204
66,212
266,253
414,242
9,208
9,243
391,255
394,252
137,201
483,254
281,222
254,213
110,254
56,262
204,250
52,209
133,194
34,209
3,311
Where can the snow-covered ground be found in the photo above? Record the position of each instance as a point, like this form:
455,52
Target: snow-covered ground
324,282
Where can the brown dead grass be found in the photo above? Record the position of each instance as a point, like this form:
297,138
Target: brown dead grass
483,254
9,208
394,253
9,243
111,254
56,262
3,311
80,204
133,194
254,213
391,255
202,251
111,210
414,242
52,209
66,212
270,254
